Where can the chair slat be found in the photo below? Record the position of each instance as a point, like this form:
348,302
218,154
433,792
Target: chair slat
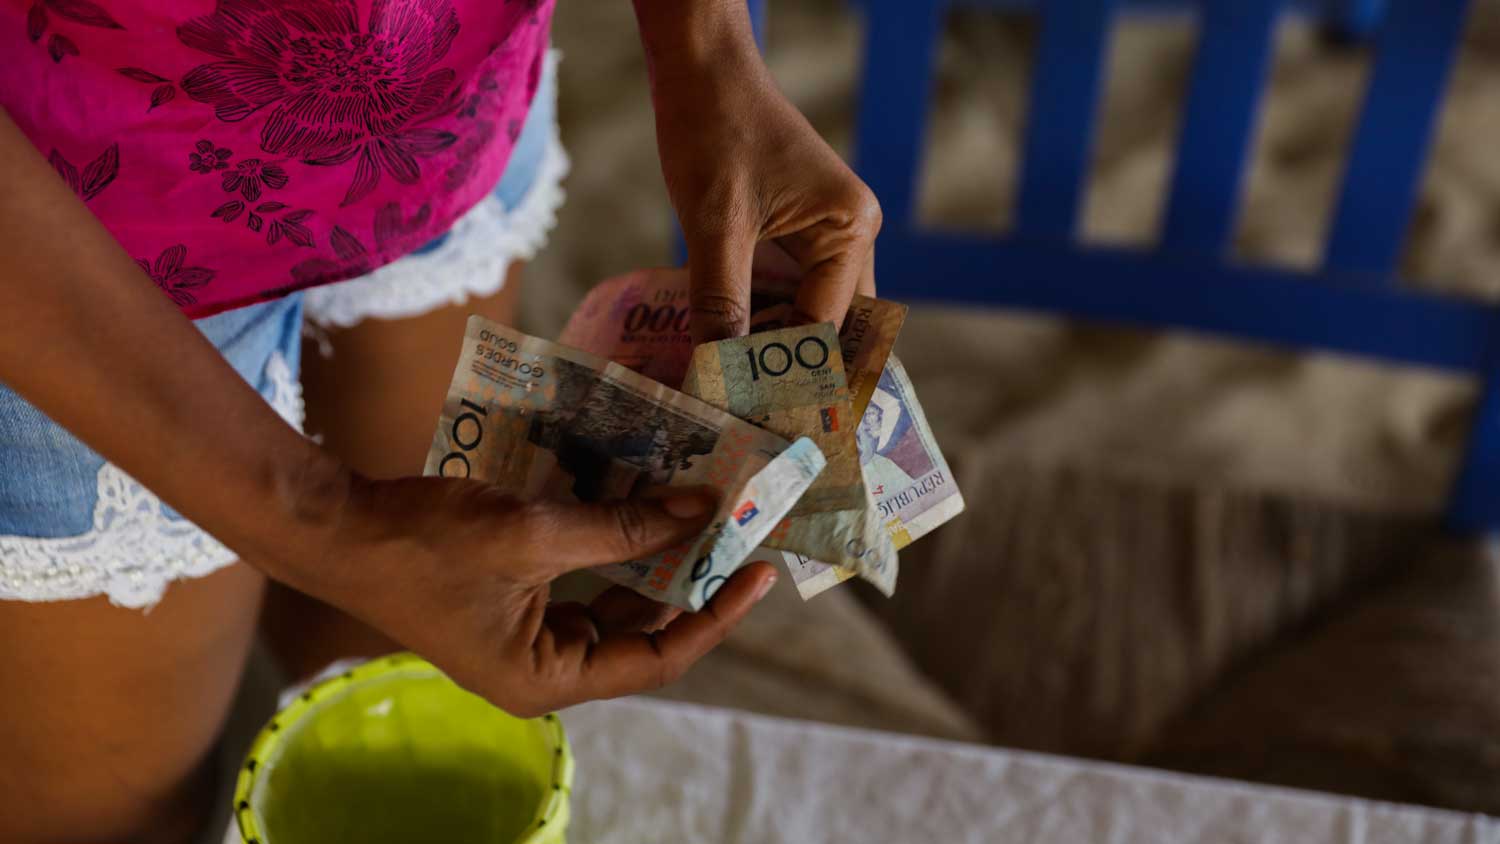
1353,18
1059,128
901,39
758,21
1415,50
1474,501
1258,303
1229,73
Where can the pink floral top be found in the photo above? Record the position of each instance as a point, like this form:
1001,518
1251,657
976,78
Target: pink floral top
243,149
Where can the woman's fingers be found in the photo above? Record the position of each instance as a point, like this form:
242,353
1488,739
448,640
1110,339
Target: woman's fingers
836,252
572,622
867,277
719,261
621,610
555,537
773,263
625,663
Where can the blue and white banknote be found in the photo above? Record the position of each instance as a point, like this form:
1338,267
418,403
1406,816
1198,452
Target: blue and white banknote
904,470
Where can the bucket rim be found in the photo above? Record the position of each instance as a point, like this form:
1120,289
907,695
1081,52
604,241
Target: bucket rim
269,741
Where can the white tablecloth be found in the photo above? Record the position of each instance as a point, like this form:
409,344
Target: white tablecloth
655,771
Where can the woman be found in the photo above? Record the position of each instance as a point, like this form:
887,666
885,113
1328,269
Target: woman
178,179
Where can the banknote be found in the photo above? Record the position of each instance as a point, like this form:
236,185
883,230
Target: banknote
641,320
542,421
904,470
790,381
866,336
811,577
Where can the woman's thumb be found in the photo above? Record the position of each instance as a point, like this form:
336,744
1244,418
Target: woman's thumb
566,536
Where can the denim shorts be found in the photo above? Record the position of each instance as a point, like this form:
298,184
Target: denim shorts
73,525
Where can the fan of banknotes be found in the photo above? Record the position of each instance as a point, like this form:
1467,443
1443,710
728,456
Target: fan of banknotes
810,435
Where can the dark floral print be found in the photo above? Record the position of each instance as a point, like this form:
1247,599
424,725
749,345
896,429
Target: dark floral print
82,12
392,229
248,176
317,103
163,92
173,278
36,22
229,211
534,75
484,91
288,226
143,76
59,46
533,7
353,260
478,107
335,92
95,177
468,157
208,158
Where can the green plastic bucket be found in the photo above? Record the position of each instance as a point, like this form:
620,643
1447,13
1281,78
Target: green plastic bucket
393,751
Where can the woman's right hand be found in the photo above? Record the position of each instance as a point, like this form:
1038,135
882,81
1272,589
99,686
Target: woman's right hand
460,574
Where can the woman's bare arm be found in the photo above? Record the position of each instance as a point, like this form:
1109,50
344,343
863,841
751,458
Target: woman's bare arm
445,566
89,339
742,165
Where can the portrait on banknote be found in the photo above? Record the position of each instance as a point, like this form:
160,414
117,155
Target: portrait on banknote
902,465
888,443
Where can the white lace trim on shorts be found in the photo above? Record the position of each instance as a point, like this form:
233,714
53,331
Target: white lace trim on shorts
470,263
134,549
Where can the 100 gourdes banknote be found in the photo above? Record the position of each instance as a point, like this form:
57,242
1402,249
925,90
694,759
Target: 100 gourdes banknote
791,382
542,421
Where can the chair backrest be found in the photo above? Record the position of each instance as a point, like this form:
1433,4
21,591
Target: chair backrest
1415,45
1352,304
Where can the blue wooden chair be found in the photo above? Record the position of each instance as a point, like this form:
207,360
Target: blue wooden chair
1352,19
1353,305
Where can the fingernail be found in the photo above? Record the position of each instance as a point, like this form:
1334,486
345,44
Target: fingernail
765,587
687,506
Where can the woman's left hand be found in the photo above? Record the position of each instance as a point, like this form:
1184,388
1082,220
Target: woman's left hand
742,165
